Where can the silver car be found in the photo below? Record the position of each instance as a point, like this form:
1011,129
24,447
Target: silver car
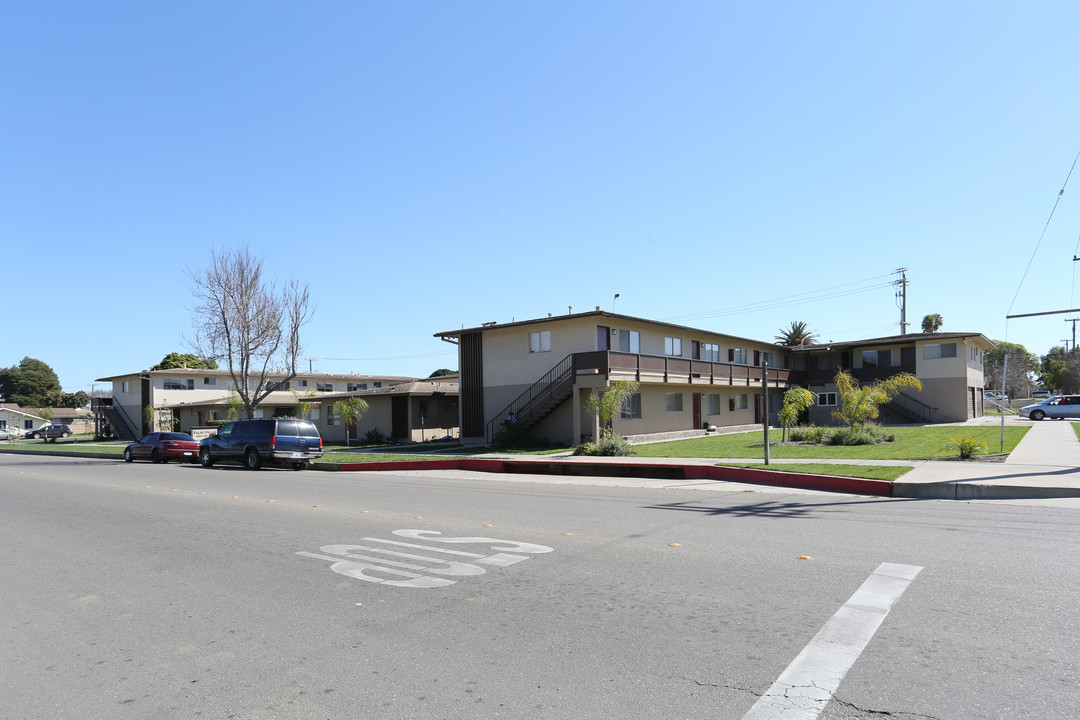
1058,406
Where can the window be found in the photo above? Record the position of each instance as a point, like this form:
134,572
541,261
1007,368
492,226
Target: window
331,416
767,359
740,402
939,350
303,383
280,385
324,387
629,341
826,399
179,384
869,358
376,385
124,386
540,341
673,346
673,402
209,381
713,403
737,355
631,408
28,425
353,387
710,352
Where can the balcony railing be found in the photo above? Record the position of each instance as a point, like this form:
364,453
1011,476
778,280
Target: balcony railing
662,368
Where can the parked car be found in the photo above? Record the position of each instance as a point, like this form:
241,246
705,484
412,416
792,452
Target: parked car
162,447
1041,394
253,442
6,434
1057,406
49,432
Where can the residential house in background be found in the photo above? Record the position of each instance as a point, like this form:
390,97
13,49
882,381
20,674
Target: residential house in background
418,411
535,376
17,421
949,365
196,397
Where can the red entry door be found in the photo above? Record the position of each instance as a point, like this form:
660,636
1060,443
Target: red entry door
603,338
697,411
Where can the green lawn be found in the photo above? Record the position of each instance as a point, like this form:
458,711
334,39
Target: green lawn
872,472
911,443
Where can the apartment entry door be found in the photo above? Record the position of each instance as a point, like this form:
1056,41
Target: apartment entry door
603,338
697,411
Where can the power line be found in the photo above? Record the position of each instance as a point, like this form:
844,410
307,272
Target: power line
1043,234
828,293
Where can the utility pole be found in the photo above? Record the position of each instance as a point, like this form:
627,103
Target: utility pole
901,295
1073,321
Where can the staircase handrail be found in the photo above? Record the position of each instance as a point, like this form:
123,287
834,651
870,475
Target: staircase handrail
525,404
914,405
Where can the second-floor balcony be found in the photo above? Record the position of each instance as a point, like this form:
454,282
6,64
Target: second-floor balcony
666,369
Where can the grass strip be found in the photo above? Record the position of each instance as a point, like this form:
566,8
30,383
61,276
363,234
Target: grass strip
911,443
870,472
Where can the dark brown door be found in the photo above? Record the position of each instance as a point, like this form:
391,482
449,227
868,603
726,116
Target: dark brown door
399,420
697,410
757,408
603,338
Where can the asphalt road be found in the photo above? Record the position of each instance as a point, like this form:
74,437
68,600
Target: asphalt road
149,591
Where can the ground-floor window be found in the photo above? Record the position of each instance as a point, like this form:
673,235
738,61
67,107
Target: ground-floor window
673,402
713,403
826,399
631,409
740,402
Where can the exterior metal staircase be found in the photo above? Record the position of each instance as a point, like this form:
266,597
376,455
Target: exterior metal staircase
911,408
536,403
119,424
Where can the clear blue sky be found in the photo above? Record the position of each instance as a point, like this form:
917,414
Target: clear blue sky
428,166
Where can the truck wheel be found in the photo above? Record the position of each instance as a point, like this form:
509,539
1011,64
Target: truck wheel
300,465
252,459
205,459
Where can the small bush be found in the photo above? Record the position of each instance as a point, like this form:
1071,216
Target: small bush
808,433
615,446
866,435
374,437
967,446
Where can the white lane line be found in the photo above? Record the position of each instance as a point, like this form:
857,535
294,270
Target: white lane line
804,689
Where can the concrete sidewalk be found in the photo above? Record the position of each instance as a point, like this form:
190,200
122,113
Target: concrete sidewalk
1045,464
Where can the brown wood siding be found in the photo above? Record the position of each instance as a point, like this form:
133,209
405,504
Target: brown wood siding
472,385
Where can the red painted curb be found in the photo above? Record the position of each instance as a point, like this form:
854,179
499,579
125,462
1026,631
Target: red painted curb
669,471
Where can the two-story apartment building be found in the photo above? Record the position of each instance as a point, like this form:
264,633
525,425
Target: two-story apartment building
949,365
197,396
537,375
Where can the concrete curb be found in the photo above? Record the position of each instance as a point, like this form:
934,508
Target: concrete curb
674,471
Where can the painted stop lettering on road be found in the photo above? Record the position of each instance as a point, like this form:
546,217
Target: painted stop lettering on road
396,562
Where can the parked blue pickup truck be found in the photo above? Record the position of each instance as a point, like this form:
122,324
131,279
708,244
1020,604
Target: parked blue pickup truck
255,441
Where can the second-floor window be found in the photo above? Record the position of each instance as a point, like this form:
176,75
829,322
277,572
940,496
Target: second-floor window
710,352
179,383
629,341
353,387
673,346
540,341
737,355
939,350
324,387
209,381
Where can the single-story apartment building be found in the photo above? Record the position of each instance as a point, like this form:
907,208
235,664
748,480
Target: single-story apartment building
418,411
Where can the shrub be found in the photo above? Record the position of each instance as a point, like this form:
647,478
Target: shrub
867,435
614,446
808,433
967,446
375,437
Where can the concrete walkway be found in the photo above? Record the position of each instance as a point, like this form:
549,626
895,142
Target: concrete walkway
1045,464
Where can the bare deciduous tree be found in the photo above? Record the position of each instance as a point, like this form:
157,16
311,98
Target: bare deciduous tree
248,324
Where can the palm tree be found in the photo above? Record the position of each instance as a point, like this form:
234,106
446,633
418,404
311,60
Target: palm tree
931,323
798,334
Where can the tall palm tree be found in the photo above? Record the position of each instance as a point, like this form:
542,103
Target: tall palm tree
798,334
931,323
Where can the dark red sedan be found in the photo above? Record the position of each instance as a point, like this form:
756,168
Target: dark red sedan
162,447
